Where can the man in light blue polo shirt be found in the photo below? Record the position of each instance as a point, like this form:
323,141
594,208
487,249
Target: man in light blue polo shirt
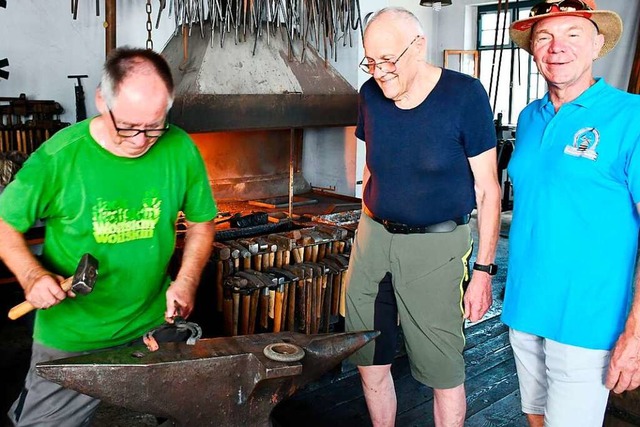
575,327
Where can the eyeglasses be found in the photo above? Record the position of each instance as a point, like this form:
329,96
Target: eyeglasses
369,66
130,133
559,6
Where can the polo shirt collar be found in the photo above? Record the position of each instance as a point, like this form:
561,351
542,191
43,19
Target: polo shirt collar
587,99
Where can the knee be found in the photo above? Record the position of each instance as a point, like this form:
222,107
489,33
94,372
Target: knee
376,377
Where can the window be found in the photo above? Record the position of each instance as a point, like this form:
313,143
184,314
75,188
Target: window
508,71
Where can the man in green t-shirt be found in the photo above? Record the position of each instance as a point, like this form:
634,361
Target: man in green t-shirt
112,186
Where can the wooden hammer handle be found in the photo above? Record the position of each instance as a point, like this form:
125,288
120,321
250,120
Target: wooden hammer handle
26,307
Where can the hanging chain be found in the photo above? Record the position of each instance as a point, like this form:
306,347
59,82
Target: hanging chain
149,26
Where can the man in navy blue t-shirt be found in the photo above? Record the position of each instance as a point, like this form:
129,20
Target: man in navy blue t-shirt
431,159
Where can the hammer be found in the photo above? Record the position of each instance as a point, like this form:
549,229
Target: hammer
81,282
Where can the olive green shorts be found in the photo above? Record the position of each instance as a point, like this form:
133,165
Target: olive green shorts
417,279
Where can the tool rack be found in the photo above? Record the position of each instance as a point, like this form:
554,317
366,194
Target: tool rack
25,124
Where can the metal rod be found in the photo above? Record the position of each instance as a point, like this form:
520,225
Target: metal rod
292,137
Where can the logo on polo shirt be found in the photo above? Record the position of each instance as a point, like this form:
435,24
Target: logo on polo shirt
585,142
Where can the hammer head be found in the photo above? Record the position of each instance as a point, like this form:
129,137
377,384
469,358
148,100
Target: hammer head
85,276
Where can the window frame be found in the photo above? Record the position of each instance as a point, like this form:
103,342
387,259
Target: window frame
519,10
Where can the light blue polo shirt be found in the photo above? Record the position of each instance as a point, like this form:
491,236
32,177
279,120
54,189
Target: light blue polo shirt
574,234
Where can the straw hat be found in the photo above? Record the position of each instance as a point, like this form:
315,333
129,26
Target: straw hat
608,22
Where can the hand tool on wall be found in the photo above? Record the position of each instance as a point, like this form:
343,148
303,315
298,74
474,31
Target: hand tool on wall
251,305
331,294
276,301
290,282
285,246
344,262
221,253
234,286
81,109
244,253
82,283
306,303
266,297
297,298
254,250
319,286
269,252
3,73
336,271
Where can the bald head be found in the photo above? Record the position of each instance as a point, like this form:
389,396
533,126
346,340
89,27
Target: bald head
399,18
126,62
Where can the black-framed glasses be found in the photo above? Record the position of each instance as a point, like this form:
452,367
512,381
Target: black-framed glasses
130,133
369,66
558,6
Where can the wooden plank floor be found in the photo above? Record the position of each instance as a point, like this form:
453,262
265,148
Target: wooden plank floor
492,390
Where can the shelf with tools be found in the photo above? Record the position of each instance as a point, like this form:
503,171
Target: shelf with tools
281,281
25,124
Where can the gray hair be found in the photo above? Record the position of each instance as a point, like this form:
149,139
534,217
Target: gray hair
125,61
396,12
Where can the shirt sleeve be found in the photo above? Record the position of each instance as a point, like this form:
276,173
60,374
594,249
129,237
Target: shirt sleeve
477,128
26,198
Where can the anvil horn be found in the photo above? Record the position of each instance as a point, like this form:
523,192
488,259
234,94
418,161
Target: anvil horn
219,381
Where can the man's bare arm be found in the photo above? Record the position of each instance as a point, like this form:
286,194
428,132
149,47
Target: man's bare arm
196,252
624,365
478,298
41,288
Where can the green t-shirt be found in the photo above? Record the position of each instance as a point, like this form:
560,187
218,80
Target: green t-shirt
123,212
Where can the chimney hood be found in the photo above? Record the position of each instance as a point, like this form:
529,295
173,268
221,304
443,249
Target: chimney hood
231,88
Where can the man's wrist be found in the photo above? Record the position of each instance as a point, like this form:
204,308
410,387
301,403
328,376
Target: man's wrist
490,269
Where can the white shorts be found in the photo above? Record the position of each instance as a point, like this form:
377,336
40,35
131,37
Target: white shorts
562,382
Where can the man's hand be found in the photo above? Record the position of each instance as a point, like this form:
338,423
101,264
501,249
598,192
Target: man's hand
478,297
45,291
181,297
624,366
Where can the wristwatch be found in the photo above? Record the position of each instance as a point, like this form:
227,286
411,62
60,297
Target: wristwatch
490,269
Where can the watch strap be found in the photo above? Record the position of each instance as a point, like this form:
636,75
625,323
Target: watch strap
490,269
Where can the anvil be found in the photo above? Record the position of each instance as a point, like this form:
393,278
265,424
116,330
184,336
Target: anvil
220,381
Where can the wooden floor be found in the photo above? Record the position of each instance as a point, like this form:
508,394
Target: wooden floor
492,390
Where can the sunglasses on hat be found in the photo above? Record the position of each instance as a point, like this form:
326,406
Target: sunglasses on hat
559,6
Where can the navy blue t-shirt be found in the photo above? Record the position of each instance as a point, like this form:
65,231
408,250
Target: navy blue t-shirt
420,174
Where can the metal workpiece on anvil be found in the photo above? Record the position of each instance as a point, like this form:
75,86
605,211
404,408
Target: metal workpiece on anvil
220,381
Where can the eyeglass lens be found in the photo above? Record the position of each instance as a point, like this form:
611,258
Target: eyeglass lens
369,66
130,133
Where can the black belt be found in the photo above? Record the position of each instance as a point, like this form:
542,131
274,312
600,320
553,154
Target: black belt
400,228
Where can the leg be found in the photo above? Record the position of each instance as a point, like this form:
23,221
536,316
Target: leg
428,279
377,384
371,305
449,406
529,356
44,403
576,395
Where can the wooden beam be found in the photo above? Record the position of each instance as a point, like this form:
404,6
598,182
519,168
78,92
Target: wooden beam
110,25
